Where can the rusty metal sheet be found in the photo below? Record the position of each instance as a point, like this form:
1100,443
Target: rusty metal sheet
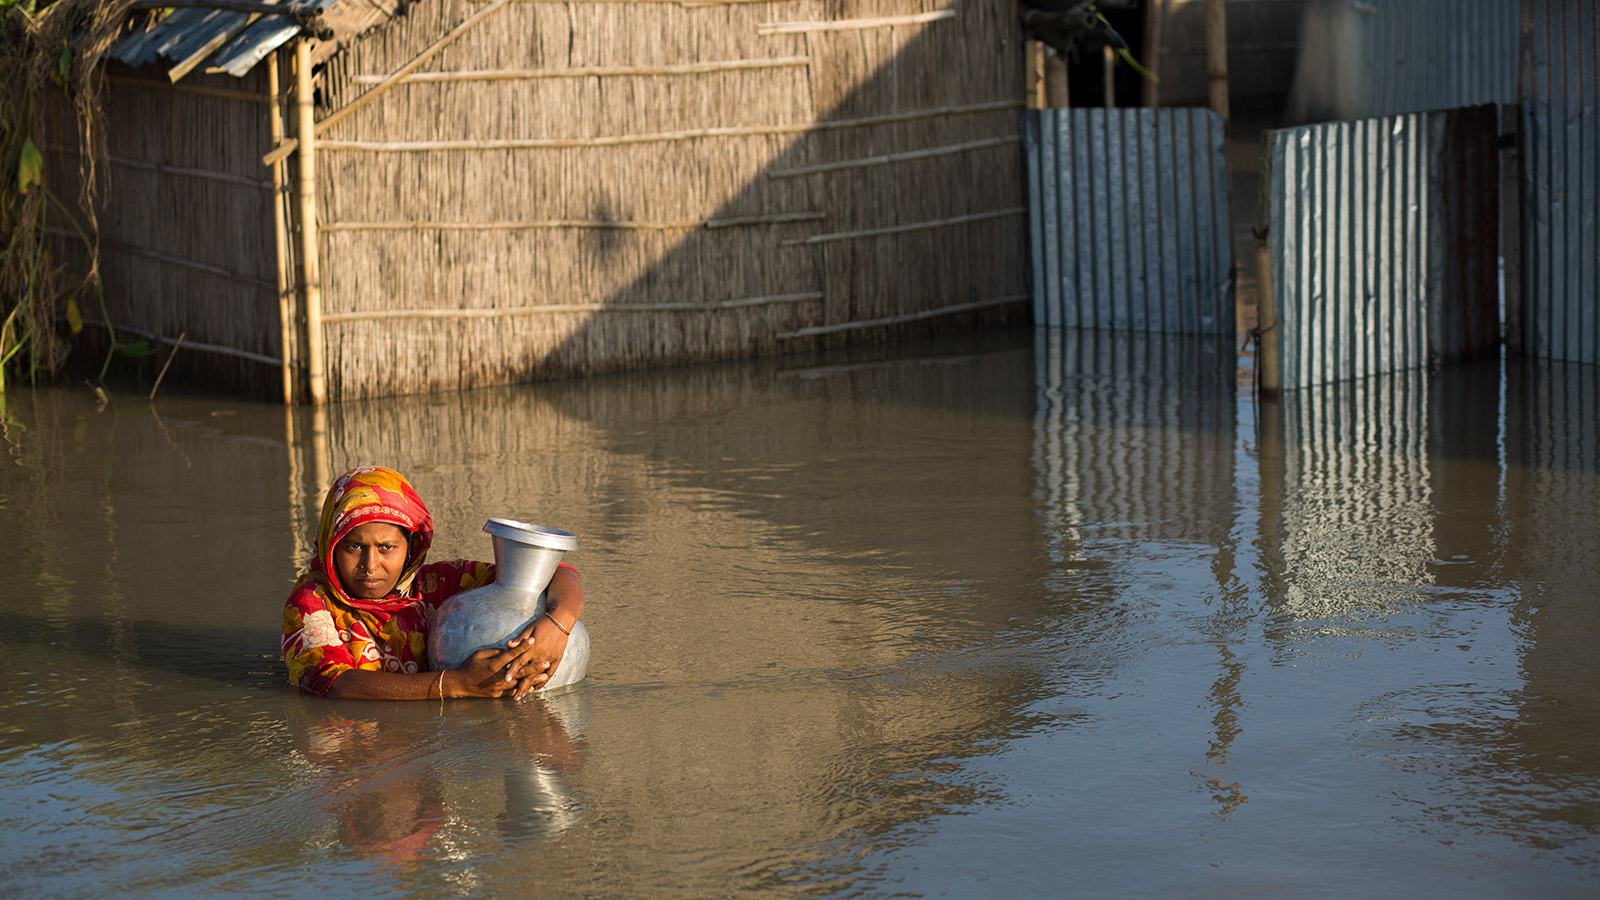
1129,216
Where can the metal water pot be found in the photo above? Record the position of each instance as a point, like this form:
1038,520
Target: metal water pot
525,559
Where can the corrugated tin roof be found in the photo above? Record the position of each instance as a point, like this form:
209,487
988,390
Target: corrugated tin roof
236,41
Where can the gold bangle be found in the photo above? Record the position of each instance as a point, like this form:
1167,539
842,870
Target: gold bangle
439,685
564,629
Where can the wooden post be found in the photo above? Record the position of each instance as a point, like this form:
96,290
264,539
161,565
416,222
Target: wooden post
310,270
1266,319
1154,12
1217,55
1110,67
1267,370
1036,88
1055,81
1511,226
280,232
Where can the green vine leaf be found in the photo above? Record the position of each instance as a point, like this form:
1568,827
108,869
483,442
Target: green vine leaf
62,67
74,316
30,168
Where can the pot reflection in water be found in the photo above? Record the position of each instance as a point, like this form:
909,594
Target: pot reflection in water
525,559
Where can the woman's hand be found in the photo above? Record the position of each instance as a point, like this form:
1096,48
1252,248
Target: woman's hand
486,673
538,650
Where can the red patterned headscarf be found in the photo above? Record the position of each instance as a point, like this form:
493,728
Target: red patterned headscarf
370,494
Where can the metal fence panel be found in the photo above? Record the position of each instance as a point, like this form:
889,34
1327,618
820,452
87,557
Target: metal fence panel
1384,238
1129,215
1561,180
1370,58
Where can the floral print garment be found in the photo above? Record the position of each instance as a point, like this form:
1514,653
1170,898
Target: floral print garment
323,637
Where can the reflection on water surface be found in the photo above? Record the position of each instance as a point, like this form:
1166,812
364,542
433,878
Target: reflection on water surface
1009,617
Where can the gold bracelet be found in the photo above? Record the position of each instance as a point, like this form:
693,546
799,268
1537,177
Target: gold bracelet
438,684
564,629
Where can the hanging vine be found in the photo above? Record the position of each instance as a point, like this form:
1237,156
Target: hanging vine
50,91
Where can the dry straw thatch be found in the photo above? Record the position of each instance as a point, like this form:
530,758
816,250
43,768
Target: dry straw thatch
569,187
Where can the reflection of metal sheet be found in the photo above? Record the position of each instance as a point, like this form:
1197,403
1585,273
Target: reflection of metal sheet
1129,220
1384,236
1561,182
1133,435
1357,528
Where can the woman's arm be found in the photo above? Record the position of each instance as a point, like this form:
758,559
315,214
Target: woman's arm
486,673
541,646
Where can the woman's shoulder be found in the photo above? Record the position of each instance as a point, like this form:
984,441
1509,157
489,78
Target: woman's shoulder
305,596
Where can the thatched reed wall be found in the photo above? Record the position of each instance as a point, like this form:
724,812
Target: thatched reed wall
185,224
575,187
571,187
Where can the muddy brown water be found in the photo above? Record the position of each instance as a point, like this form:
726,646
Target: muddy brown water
1029,616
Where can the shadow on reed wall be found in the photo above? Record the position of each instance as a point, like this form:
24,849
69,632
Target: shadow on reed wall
575,188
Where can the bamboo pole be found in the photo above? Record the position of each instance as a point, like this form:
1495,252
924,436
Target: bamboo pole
655,137
399,75
1217,55
280,234
1266,319
201,89
164,169
1055,81
902,229
1108,66
133,250
853,24
694,225
731,65
1155,14
199,346
891,158
311,274
1034,86
185,66
501,312
817,330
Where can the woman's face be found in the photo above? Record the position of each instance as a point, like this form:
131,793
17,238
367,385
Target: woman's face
370,559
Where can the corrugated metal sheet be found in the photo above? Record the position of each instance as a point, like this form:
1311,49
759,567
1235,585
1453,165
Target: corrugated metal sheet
1129,220
1367,58
1561,181
1384,241
246,39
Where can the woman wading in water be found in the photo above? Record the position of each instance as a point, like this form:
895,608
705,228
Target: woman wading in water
356,623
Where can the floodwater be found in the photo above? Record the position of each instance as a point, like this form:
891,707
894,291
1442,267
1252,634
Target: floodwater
1028,616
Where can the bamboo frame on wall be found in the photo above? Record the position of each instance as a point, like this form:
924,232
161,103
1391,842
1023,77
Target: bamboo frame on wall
854,24
732,65
509,311
775,219
905,319
659,137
